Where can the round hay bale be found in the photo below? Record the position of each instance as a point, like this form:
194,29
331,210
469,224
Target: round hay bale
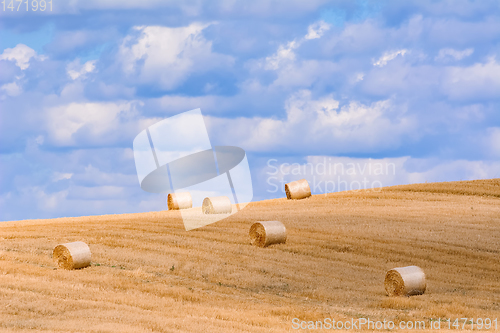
405,281
298,189
180,200
265,233
72,255
217,205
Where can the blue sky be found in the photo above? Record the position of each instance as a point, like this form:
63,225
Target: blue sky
414,84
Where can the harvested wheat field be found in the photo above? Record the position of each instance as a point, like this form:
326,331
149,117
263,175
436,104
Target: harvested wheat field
150,275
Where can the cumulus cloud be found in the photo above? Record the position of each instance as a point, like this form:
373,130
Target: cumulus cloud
76,70
167,56
283,55
21,54
317,30
93,123
318,124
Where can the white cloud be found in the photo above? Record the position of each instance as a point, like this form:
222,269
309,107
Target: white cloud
167,56
388,56
317,30
76,70
320,124
285,53
96,122
21,54
448,53
295,73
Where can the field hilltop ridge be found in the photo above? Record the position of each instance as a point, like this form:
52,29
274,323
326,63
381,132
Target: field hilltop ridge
148,274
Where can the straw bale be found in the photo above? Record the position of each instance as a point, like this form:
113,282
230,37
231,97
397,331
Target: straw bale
265,233
181,200
72,255
405,281
298,189
217,205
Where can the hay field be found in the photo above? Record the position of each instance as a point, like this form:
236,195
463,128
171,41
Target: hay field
149,275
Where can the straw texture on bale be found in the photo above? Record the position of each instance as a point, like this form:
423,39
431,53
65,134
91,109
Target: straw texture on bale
298,189
405,281
217,205
72,255
180,200
265,233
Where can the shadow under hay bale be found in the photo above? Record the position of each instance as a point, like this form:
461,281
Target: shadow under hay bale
72,255
266,233
217,205
182,200
298,189
405,281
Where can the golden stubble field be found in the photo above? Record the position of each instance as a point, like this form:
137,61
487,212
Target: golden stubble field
150,275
